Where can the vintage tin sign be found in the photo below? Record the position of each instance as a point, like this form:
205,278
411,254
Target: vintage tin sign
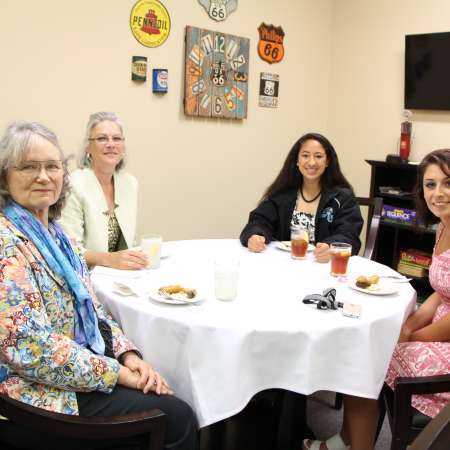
219,9
150,22
268,90
216,74
139,68
160,80
270,45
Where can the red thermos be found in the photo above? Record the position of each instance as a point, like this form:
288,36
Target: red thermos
405,140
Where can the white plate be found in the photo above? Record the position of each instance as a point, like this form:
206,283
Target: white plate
386,288
159,298
286,246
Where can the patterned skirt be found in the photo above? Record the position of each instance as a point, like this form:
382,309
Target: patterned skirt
419,359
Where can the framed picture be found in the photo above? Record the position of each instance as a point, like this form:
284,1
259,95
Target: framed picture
216,74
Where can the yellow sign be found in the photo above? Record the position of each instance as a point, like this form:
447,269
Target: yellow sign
150,22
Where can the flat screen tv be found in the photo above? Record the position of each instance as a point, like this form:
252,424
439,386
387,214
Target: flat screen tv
427,71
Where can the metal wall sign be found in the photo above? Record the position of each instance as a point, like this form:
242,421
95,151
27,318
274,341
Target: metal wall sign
216,74
270,45
219,9
268,90
150,22
139,68
160,80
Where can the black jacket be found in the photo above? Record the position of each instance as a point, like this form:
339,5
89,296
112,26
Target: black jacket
338,218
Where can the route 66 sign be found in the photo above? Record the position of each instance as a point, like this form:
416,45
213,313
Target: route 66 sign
216,74
219,9
270,45
268,90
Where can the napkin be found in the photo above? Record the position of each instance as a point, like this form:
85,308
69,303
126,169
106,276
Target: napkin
117,273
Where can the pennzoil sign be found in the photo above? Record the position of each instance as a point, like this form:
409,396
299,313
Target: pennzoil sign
150,22
270,45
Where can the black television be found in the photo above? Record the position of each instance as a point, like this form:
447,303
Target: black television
427,71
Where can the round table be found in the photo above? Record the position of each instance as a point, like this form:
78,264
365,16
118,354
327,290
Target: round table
219,354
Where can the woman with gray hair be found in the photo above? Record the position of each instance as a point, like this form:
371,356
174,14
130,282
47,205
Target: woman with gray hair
59,350
102,207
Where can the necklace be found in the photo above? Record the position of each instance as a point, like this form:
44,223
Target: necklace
309,201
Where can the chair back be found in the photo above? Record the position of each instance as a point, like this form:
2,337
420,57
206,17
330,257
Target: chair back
375,207
436,435
151,425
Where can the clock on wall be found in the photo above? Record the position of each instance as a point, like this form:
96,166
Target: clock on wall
216,74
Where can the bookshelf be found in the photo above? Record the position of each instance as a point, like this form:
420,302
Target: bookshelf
397,236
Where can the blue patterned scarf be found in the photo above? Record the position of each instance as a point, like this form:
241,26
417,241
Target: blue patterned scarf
62,260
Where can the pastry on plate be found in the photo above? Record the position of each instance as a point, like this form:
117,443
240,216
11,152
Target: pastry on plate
177,290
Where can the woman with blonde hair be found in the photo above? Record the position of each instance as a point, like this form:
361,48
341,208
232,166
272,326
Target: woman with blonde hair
102,207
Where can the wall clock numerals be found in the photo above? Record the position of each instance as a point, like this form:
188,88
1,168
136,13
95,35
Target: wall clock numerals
216,74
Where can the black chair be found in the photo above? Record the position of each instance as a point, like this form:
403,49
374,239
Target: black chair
405,421
436,435
150,425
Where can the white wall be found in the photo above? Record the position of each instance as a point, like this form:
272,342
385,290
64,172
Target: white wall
198,177
366,86
342,75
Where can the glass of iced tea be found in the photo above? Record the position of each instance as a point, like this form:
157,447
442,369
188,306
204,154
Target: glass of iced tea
340,253
299,241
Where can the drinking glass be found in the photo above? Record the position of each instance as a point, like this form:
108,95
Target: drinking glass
299,241
226,275
151,246
340,253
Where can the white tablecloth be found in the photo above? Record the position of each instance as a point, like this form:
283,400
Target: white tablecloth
217,355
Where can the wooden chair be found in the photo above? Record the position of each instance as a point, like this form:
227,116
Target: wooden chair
436,435
375,207
405,421
149,424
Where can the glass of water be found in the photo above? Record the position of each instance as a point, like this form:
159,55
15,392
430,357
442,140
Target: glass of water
226,277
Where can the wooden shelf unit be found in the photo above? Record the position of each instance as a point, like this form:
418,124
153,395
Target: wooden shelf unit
395,237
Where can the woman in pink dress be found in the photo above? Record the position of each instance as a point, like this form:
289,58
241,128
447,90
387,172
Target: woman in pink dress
423,347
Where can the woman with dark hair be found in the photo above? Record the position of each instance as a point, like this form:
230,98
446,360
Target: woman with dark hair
423,347
312,191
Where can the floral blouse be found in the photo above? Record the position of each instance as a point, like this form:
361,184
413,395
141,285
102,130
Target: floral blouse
40,363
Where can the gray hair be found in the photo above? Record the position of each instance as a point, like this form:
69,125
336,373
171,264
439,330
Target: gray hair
94,119
17,141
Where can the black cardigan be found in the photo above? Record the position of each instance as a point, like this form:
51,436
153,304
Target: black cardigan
338,218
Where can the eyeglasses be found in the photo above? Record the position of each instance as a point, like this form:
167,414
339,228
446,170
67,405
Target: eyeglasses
105,139
33,168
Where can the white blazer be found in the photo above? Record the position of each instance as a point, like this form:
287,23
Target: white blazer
83,217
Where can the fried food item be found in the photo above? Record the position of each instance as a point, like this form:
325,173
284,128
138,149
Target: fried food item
362,282
177,289
365,282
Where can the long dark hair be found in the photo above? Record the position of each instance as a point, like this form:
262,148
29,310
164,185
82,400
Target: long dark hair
291,178
442,159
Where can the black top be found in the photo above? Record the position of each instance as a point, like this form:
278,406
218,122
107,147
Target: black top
338,218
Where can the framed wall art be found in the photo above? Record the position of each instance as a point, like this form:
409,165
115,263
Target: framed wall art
216,74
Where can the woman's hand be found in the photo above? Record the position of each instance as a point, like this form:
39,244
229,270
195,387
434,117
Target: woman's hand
405,334
147,378
127,260
256,243
322,252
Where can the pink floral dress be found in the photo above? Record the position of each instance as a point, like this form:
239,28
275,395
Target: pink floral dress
415,359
